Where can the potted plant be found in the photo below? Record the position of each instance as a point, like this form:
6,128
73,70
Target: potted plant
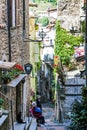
1,106
13,73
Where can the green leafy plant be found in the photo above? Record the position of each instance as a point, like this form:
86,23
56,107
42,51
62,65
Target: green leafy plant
44,20
72,66
1,103
79,113
65,43
13,73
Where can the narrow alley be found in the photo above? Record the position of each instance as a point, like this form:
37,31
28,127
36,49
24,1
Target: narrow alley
50,118
43,52
49,111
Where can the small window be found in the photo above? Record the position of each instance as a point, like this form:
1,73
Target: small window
12,13
17,12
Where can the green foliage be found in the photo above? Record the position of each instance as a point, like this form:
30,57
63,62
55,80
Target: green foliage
38,65
1,102
79,113
44,20
37,1
83,29
72,66
65,43
53,1
8,76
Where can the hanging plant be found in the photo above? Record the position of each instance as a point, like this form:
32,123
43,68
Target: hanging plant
10,75
79,112
19,67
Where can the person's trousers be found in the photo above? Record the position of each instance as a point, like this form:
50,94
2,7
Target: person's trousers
40,120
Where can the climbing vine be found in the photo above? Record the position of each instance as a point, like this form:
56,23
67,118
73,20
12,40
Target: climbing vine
65,43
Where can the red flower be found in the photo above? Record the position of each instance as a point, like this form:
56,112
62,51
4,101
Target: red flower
19,67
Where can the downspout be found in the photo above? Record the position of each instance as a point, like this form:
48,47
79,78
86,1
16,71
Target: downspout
8,28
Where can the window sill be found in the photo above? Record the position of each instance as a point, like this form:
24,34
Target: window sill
12,28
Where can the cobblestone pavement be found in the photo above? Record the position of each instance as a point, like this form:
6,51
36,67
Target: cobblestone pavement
49,114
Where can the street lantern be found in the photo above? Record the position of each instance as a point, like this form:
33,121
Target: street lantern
42,34
28,68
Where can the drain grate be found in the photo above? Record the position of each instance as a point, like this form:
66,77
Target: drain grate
51,129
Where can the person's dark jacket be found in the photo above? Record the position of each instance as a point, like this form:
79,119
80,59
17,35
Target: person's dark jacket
38,116
38,102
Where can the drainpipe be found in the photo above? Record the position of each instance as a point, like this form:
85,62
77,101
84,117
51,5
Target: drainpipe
8,27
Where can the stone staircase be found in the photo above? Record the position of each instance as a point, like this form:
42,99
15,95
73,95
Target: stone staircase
30,122
72,92
29,125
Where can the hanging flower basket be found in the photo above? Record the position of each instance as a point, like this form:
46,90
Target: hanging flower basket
12,74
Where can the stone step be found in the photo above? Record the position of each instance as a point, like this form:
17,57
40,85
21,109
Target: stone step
75,81
28,123
18,126
73,91
73,85
33,125
22,126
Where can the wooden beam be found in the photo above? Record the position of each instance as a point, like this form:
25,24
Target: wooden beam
33,5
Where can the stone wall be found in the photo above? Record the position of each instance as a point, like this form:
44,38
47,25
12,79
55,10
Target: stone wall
72,92
19,48
70,12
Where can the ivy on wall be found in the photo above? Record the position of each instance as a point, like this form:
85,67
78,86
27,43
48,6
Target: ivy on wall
65,43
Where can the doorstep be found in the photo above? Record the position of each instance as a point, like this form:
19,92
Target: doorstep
22,126
33,125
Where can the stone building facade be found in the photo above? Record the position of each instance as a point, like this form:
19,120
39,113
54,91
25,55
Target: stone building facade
14,30
70,13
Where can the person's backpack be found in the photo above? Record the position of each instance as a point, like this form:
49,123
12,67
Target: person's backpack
37,109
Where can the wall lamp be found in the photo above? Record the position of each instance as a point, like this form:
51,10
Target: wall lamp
42,34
